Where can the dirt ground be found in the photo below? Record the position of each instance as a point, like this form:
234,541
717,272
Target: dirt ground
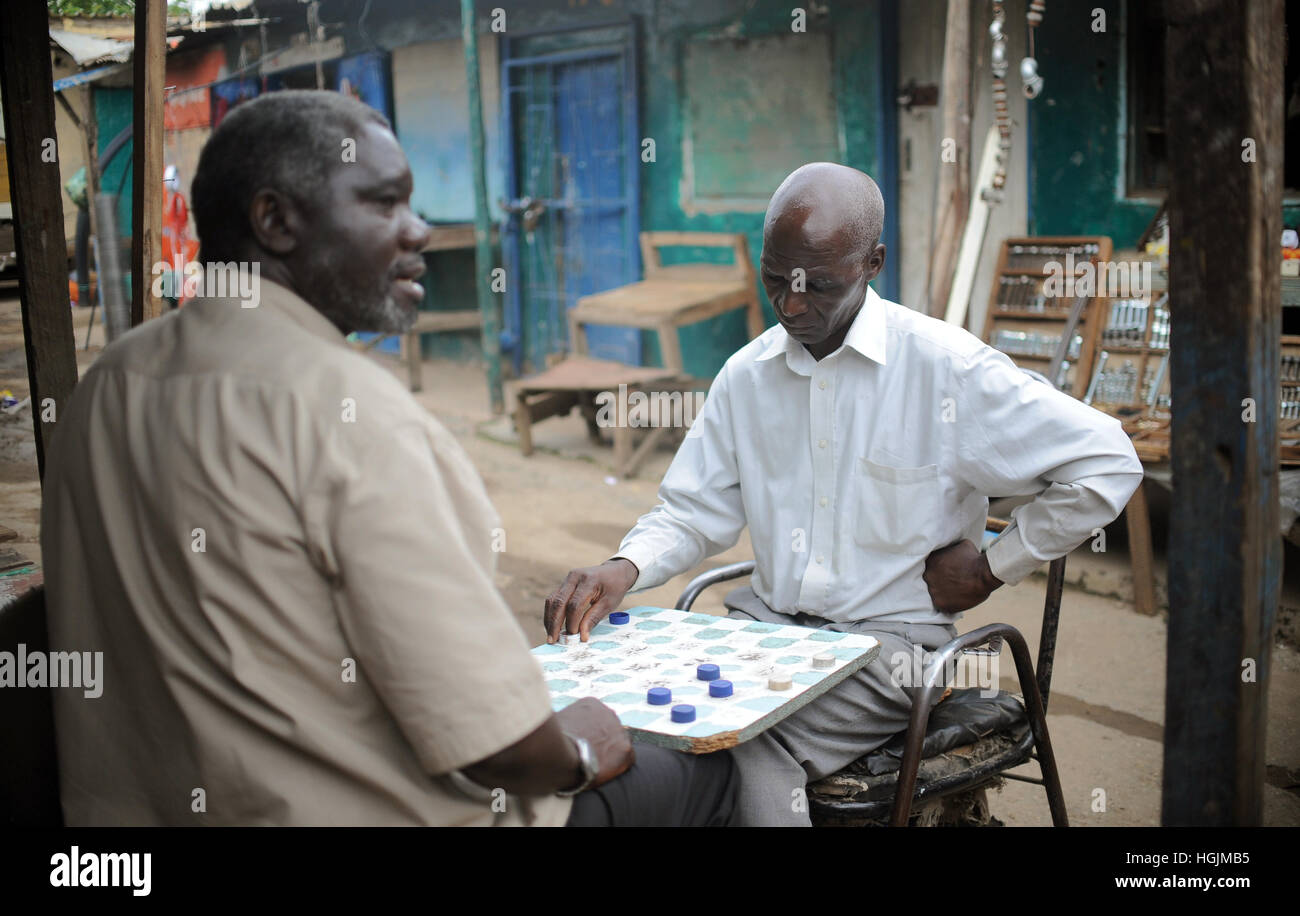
562,508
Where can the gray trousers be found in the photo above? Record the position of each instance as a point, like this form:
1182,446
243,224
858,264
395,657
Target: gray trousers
857,716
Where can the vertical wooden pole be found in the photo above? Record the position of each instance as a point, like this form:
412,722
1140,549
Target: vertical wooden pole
1223,82
90,138
38,212
483,261
147,156
1138,518
952,198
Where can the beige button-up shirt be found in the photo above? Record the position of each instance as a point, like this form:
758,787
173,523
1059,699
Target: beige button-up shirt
287,565
850,470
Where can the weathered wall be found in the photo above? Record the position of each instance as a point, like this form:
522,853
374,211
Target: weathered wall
854,81
921,49
666,28
1078,165
431,114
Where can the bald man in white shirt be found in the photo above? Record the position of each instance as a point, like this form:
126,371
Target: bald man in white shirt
859,441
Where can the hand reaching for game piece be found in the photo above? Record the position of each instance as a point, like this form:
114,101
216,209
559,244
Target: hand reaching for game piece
958,577
592,720
586,596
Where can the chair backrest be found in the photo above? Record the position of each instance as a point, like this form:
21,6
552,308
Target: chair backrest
1051,614
1051,619
740,267
29,771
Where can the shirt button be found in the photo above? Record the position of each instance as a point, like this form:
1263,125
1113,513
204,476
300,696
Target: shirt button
819,559
821,443
822,384
822,501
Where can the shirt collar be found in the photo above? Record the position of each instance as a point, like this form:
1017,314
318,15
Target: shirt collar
866,334
284,301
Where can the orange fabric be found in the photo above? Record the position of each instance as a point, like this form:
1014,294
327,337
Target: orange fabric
176,241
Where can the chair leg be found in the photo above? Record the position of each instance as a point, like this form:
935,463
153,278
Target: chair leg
905,788
524,424
410,347
1038,725
590,411
924,698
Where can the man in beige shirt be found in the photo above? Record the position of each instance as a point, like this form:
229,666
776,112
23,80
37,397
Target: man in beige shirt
285,560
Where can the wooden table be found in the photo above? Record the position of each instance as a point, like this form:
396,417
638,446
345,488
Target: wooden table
580,381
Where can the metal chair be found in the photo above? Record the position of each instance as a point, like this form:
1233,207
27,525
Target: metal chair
854,796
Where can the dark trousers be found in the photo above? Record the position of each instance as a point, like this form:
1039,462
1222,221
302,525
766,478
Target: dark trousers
662,788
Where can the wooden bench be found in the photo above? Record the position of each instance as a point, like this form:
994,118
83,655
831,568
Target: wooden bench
593,386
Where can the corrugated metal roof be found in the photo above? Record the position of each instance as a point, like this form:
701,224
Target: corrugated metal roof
91,49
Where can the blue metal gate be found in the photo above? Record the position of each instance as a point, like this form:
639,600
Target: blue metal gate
572,160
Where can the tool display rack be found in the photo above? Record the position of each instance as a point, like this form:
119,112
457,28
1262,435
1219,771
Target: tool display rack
1288,422
1132,357
1129,375
1026,324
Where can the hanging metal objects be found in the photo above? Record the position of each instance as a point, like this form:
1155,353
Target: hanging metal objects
1033,83
1001,115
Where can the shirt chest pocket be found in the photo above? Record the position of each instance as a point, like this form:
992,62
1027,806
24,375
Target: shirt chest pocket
897,507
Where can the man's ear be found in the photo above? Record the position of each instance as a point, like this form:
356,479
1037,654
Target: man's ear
875,262
276,222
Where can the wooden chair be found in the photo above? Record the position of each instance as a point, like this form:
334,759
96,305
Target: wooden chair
671,297
953,750
427,323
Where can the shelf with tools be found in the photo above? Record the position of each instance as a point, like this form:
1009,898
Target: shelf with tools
1288,421
1129,376
1042,294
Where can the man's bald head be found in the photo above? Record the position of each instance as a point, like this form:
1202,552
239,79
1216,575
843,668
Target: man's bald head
827,199
821,248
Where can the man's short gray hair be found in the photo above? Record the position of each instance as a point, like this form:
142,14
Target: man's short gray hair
288,141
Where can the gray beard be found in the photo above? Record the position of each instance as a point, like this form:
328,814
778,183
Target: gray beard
353,307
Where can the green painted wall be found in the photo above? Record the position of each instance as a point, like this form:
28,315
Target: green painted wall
113,112
706,346
664,27
1076,160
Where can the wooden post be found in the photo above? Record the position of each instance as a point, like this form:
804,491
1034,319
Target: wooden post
38,212
1142,560
1223,84
952,199
483,260
147,157
90,139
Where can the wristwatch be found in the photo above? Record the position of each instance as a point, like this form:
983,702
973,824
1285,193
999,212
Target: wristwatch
588,763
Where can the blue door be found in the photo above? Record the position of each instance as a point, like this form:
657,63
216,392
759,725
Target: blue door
573,155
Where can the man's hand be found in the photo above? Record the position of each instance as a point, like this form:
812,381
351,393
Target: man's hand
592,720
958,577
587,596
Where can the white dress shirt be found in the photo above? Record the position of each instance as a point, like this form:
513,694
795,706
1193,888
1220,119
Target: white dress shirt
850,470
